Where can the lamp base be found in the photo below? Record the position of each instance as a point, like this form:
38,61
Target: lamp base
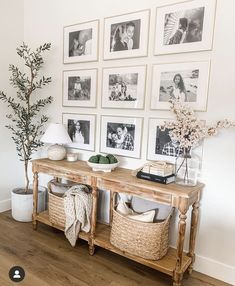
56,152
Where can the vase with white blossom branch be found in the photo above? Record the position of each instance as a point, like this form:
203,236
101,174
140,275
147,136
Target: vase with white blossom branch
189,131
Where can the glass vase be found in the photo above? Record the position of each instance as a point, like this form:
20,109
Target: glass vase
187,168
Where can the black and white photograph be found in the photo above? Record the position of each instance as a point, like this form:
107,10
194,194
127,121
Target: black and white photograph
122,135
186,82
124,87
81,129
185,27
79,88
160,145
81,42
126,35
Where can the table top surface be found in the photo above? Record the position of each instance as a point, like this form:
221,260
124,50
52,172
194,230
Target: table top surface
119,175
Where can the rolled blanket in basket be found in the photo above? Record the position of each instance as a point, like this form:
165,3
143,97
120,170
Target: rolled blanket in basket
77,206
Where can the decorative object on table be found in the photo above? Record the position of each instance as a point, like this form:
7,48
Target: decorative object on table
188,132
79,88
26,118
103,163
72,157
81,42
186,81
121,135
149,240
124,87
155,178
81,129
184,27
126,36
160,172
57,135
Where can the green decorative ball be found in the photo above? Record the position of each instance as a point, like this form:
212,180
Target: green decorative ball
103,160
94,159
112,159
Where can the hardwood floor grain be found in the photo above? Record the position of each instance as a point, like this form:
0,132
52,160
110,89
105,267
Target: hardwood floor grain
48,259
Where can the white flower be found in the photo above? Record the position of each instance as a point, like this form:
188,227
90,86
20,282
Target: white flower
187,129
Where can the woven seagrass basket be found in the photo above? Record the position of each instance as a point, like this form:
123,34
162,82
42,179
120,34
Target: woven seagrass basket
143,239
56,203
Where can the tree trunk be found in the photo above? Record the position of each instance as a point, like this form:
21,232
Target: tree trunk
26,163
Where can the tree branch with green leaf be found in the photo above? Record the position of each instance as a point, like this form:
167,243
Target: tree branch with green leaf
26,122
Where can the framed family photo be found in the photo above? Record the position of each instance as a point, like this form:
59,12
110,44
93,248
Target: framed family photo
124,87
121,135
187,82
81,42
81,129
79,88
160,145
185,27
126,35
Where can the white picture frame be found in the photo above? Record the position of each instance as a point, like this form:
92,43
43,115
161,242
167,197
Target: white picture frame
126,36
184,27
81,129
186,81
80,88
158,139
124,87
121,135
81,42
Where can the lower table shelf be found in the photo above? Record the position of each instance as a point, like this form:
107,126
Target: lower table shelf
165,265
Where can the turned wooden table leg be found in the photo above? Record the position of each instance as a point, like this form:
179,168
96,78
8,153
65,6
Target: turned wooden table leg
35,199
93,218
178,274
193,232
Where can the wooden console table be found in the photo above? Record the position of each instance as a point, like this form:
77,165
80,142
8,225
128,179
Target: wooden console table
176,262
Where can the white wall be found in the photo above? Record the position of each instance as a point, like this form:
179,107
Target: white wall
44,21
11,31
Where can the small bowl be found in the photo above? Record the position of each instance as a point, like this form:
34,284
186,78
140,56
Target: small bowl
102,167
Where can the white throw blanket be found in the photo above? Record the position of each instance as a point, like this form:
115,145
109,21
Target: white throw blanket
77,205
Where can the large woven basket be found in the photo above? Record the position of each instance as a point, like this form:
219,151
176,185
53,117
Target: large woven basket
143,239
56,204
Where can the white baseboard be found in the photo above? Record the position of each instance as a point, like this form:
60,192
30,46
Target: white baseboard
215,269
5,205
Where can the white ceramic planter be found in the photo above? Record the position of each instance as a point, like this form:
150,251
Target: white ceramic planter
22,204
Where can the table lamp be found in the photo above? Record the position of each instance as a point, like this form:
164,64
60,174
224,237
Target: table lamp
57,135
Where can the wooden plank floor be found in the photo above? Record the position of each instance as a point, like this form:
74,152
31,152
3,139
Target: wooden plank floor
48,259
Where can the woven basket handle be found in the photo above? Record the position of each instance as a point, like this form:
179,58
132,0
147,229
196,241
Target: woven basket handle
169,216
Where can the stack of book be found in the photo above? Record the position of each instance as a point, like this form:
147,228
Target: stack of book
160,173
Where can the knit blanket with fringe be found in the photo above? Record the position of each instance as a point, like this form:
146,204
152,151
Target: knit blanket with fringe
77,206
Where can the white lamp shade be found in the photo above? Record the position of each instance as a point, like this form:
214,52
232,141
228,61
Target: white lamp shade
56,134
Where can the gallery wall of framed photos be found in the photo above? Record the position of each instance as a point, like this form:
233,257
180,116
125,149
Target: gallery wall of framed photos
120,71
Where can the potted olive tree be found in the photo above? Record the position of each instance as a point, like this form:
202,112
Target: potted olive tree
26,120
